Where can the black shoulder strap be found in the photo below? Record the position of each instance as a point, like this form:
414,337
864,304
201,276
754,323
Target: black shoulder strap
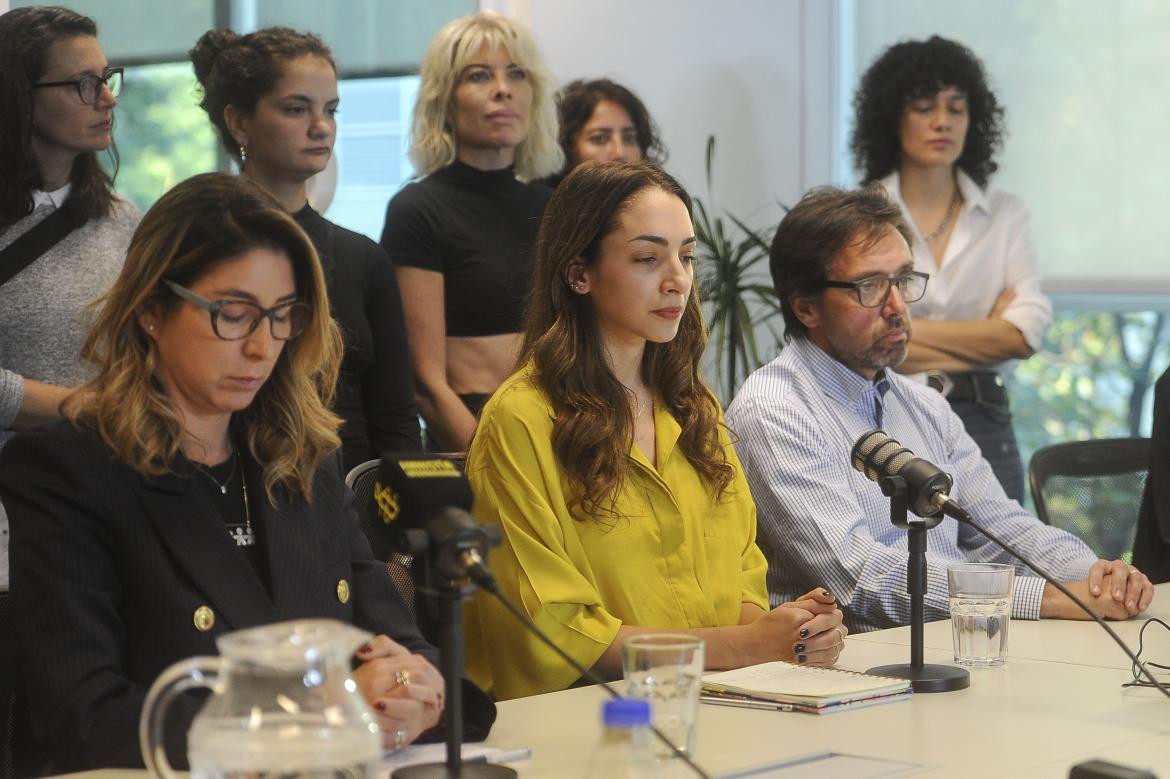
48,233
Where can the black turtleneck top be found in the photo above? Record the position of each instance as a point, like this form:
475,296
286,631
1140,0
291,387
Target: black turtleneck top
478,228
375,391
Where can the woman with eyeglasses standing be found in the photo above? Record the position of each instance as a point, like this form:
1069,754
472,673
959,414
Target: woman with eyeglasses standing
927,128
63,231
461,237
272,95
195,489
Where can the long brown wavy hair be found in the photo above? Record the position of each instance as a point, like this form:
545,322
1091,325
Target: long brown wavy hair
202,223
26,35
594,428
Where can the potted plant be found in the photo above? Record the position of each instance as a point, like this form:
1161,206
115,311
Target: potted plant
735,287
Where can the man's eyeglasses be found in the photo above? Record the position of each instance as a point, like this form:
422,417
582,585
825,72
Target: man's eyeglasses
872,291
89,87
233,320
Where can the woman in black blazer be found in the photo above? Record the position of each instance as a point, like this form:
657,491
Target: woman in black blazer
195,488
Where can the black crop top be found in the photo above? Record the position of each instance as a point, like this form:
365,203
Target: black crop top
478,228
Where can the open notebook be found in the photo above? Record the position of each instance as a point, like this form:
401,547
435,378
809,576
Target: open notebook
801,688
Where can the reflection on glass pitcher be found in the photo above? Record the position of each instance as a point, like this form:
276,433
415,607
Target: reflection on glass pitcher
283,703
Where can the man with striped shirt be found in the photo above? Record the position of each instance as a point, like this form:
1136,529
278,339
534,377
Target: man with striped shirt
843,271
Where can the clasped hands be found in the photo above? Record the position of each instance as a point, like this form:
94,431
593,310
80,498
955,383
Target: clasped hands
404,689
807,631
1114,590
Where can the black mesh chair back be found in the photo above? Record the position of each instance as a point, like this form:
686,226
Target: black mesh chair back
7,684
361,480
1093,489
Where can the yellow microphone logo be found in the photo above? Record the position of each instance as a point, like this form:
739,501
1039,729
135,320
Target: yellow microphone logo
386,500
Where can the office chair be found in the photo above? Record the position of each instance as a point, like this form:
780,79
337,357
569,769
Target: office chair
1093,489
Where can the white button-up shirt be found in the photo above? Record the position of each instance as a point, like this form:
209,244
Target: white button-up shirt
990,250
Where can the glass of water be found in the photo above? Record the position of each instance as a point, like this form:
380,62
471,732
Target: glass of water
981,609
667,670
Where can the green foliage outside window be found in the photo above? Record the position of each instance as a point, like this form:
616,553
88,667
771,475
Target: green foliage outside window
163,135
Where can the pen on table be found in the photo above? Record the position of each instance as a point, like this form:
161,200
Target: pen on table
502,756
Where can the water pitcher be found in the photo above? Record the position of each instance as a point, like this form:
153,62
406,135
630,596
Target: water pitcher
283,703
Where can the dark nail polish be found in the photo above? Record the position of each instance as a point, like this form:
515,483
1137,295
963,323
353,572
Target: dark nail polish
365,649
804,632
801,659
798,648
380,705
827,593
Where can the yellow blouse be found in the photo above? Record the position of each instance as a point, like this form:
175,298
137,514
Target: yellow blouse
674,558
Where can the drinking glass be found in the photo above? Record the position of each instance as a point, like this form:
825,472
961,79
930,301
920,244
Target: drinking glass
981,608
666,669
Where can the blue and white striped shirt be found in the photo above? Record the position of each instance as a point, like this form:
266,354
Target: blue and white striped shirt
821,523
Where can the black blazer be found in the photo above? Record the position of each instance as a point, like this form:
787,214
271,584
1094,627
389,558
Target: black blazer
1151,547
109,568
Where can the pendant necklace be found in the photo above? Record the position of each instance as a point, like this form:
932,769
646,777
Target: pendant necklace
946,219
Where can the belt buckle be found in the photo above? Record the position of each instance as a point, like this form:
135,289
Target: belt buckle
939,380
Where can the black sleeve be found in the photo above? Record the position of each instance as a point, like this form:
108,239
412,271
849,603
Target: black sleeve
83,711
1151,549
387,386
410,235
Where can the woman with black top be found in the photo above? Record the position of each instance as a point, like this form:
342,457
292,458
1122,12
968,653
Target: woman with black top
461,238
195,490
272,94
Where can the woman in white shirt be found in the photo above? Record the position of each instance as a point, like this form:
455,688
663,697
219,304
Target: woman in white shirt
927,127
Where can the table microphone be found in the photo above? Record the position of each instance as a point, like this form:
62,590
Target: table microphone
878,456
428,493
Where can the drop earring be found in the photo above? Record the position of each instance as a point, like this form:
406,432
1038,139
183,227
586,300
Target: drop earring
243,155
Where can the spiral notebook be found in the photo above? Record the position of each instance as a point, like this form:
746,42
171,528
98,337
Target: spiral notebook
801,688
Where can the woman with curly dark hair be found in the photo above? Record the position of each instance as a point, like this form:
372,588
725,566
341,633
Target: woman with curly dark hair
605,462
602,120
927,128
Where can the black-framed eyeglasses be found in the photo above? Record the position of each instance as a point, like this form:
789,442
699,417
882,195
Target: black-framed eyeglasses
89,87
233,320
872,291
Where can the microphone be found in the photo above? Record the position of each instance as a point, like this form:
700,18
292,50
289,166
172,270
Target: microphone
878,456
417,493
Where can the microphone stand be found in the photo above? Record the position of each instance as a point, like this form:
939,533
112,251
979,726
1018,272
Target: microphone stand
923,677
447,596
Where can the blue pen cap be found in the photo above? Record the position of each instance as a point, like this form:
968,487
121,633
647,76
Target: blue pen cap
626,713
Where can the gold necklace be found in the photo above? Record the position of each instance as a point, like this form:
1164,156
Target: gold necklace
248,538
946,219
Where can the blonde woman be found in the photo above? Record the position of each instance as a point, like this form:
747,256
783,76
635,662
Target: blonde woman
194,488
462,236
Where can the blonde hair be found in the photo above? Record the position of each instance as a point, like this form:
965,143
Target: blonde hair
432,139
202,223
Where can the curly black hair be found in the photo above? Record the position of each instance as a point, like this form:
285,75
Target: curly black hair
912,70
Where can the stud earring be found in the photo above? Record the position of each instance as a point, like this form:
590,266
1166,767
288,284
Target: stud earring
578,286
243,155
150,328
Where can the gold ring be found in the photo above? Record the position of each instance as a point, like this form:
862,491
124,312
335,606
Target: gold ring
1134,570
402,677
400,738
841,633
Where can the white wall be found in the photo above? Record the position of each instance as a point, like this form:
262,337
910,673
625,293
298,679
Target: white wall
758,74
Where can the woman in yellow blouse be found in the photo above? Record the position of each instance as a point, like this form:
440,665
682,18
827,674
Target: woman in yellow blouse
606,463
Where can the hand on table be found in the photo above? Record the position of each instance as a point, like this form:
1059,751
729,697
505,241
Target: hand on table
1114,590
404,689
821,638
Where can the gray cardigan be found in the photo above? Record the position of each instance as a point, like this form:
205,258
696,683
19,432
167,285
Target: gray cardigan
43,309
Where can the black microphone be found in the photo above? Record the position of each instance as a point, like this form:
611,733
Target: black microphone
428,493
878,456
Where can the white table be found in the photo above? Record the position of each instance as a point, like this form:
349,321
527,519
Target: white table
1057,702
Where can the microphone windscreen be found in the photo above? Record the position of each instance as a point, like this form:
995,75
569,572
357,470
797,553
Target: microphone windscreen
410,486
